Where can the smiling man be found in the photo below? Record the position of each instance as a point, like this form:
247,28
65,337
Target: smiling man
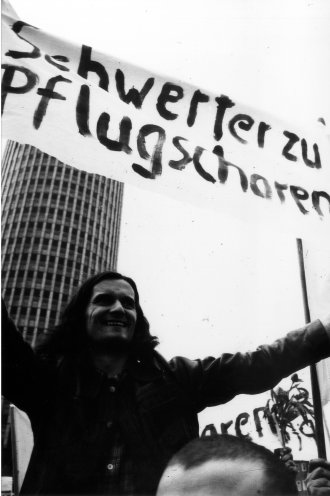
110,323
107,410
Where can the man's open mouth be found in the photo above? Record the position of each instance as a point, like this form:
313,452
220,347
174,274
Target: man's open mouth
117,323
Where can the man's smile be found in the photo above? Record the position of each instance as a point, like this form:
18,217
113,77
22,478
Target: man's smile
115,323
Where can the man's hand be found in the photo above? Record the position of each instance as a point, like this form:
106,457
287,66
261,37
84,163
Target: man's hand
285,455
318,479
326,323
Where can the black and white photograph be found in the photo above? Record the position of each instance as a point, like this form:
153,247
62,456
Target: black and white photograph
165,247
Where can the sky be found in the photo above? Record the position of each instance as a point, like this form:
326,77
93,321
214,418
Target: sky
210,283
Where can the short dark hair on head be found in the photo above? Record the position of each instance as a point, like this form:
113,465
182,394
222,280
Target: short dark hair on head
70,337
278,478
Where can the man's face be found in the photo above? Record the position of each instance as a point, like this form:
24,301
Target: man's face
111,312
214,478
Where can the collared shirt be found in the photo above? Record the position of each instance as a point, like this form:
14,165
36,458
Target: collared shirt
116,472
115,475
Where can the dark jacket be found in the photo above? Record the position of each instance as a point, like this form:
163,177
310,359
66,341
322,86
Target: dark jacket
158,405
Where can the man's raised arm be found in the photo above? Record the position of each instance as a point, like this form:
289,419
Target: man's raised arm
214,381
25,378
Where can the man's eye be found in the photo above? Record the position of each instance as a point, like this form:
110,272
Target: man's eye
129,304
102,300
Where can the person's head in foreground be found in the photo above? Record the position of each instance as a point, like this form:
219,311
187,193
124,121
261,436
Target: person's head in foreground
226,465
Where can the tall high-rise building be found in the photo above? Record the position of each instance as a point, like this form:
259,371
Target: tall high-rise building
59,226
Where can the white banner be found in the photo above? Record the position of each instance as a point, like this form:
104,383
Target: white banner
107,117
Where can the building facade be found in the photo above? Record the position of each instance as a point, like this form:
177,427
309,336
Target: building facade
59,226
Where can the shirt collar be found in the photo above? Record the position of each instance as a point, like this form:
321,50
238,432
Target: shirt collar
91,379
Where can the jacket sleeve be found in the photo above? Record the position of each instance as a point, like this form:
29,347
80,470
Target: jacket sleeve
213,381
26,380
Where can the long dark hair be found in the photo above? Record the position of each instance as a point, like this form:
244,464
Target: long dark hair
70,338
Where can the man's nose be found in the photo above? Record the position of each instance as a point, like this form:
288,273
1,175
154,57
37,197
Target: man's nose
116,307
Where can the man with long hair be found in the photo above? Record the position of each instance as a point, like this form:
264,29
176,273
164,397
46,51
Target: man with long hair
107,411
